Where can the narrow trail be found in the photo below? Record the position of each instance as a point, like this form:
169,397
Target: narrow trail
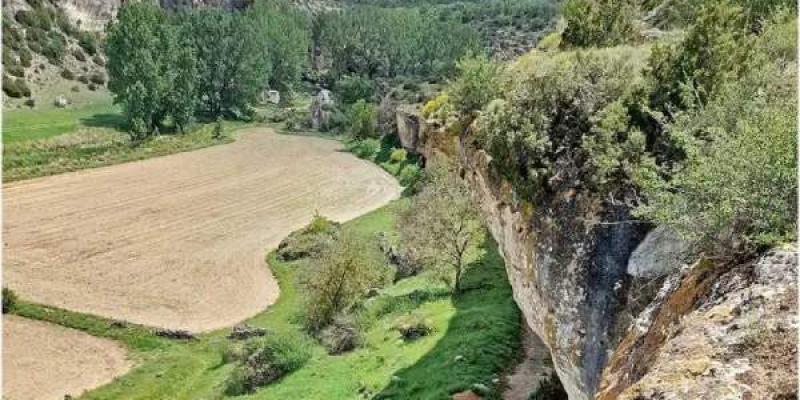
534,368
179,241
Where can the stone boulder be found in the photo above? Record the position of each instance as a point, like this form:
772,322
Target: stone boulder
245,331
61,101
322,109
662,251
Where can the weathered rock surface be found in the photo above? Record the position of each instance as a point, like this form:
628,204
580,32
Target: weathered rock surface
575,264
321,109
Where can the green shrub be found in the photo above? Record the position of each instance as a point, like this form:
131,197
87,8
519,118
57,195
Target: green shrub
266,359
92,87
15,70
16,88
337,277
364,148
36,18
30,103
363,119
25,57
398,155
592,23
475,85
97,59
67,74
88,41
55,48
342,335
308,241
736,188
97,78
83,79
9,300
413,326
350,89
79,55
409,175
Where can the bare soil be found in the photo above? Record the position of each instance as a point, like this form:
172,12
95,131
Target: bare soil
179,241
535,367
42,361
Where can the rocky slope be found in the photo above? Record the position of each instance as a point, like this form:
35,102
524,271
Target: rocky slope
622,315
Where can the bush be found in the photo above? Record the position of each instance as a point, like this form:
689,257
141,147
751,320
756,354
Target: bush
341,336
79,55
36,18
75,89
9,300
54,48
88,42
550,389
364,148
30,103
337,277
97,78
593,23
413,326
308,241
25,57
16,88
67,74
83,79
92,87
97,59
350,89
736,189
475,85
398,155
363,119
15,70
266,359
437,107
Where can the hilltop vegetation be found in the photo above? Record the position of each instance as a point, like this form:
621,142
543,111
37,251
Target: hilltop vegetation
694,131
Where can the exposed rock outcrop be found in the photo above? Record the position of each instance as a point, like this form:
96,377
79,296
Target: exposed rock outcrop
576,265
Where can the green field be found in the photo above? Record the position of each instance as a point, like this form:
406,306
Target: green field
481,325
22,125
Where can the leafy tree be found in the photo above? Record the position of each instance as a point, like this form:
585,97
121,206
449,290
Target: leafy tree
232,62
286,33
362,120
137,67
592,23
372,42
476,83
442,222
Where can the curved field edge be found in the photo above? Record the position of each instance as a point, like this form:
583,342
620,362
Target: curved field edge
93,147
481,326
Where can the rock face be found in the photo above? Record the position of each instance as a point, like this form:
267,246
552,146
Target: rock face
91,15
321,108
187,4
578,267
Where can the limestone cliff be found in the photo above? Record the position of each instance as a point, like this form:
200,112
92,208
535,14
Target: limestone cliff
622,315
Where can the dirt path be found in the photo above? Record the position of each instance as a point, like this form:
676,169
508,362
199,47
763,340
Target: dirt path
535,367
179,241
42,361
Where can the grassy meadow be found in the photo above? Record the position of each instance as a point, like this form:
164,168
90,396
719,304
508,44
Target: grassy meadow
474,335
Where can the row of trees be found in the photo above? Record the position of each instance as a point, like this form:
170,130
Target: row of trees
381,42
168,69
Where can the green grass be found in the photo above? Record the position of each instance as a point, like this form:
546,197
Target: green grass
22,125
482,325
97,147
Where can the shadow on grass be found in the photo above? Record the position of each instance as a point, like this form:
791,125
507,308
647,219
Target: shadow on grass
482,338
106,120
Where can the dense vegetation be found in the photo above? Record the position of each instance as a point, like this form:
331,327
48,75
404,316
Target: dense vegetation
171,68
695,131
